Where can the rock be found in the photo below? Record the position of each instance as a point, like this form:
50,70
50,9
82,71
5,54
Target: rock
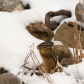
57,13
62,52
79,12
70,24
2,70
27,6
40,31
8,78
65,34
53,25
11,5
66,61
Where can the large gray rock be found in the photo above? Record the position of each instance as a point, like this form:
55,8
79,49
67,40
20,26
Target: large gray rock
79,10
62,52
65,34
8,78
11,5
40,31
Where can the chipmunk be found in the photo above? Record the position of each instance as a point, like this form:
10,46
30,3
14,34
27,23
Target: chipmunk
47,55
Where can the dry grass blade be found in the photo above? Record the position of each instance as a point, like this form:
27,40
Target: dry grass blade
58,68
34,58
53,71
80,51
80,29
76,42
27,57
48,77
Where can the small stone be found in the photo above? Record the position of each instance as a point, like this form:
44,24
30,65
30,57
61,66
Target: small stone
53,25
40,31
11,5
70,24
66,61
2,70
79,10
27,6
62,52
2,80
9,78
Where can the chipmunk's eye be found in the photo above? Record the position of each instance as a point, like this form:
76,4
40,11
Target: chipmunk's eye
44,45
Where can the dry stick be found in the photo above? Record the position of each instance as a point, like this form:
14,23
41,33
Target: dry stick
31,45
48,77
34,57
76,44
52,14
80,51
79,39
38,73
80,29
26,59
73,47
25,62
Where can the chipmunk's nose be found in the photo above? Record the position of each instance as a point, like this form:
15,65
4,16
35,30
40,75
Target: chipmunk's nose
38,47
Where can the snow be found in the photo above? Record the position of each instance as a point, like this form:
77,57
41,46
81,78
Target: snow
57,78
15,41
45,6
57,43
76,71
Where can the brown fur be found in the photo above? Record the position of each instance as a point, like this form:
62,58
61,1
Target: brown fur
46,53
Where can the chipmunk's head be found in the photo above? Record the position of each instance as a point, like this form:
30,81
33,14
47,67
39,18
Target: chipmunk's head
45,48
43,45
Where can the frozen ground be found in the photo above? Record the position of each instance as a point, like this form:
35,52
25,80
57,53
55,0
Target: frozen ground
15,41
